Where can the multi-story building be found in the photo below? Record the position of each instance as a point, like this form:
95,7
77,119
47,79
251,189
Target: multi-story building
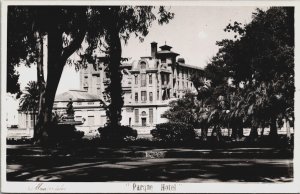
148,84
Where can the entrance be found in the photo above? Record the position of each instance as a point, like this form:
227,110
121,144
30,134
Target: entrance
144,122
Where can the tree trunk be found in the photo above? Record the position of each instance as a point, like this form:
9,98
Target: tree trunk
57,57
273,128
240,131
216,133
204,133
114,90
234,134
47,100
262,131
54,71
253,133
40,81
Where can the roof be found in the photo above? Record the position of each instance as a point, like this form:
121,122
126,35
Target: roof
165,47
189,66
76,95
126,65
166,52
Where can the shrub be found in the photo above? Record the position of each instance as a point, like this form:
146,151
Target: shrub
119,133
64,134
173,132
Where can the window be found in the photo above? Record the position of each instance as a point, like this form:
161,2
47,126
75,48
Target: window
162,79
157,94
136,81
144,96
98,79
144,122
150,78
144,113
136,115
151,115
143,81
136,97
150,96
91,120
143,65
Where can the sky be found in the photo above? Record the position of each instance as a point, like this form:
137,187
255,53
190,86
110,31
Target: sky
192,33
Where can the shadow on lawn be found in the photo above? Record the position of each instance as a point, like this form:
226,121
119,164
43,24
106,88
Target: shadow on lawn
69,169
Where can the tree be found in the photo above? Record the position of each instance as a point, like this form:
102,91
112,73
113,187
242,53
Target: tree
183,110
66,29
263,57
117,24
252,76
29,101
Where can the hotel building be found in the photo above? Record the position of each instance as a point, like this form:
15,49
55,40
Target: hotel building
148,84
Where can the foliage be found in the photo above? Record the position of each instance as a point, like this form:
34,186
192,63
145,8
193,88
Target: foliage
66,29
252,76
263,58
18,45
183,110
30,97
173,132
63,134
119,133
110,25
27,26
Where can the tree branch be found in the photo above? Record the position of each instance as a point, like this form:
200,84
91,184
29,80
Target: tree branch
76,43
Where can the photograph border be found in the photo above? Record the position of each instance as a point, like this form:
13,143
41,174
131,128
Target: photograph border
127,187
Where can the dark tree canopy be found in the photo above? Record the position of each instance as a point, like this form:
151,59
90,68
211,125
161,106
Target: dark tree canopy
252,76
66,27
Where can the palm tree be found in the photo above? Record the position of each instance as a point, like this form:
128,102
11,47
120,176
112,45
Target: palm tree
29,101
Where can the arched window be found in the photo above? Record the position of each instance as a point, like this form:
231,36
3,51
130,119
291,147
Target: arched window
144,113
143,65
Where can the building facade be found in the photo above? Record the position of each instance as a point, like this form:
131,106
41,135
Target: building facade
148,84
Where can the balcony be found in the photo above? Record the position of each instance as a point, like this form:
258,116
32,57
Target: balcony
152,70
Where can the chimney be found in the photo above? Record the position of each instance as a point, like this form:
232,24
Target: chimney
153,49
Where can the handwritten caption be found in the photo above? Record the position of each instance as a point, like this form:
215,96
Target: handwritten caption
47,188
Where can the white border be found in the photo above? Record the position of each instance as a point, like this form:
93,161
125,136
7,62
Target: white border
126,187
